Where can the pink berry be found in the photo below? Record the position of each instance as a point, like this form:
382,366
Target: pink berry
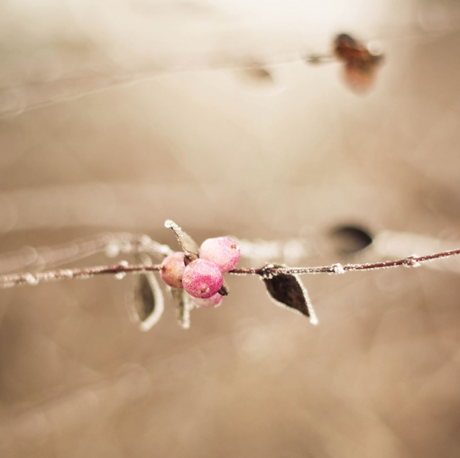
172,270
212,301
202,278
221,250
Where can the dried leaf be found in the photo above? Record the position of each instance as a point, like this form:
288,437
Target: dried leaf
350,239
148,305
184,305
188,245
289,292
361,62
148,301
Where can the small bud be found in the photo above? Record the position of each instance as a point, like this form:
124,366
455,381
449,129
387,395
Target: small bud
202,279
222,251
212,301
172,269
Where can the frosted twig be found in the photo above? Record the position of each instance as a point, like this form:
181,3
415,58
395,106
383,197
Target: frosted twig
54,255
120,270
410,261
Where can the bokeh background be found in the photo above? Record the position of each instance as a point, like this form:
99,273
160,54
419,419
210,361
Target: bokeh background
118,115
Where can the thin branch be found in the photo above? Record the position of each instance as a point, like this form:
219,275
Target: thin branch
410,261
120,270
99,83
52,256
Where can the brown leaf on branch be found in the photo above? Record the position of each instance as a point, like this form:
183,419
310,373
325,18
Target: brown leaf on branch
289,292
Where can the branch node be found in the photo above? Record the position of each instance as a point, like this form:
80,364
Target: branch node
338,268
267,272
412,261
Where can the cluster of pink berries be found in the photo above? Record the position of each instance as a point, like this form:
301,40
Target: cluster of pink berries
202,278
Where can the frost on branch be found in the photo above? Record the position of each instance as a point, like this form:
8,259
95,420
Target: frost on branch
289,292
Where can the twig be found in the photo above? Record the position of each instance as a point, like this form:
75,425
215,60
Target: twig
120,270
52,256
104,82
410,261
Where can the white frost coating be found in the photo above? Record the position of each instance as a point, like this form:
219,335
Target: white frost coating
120,275
398,244
185,305
313,318
338,268
67,273
411,262
188,306
170,224
311,310
31,279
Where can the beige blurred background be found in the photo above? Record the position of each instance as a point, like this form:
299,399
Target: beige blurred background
198,139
